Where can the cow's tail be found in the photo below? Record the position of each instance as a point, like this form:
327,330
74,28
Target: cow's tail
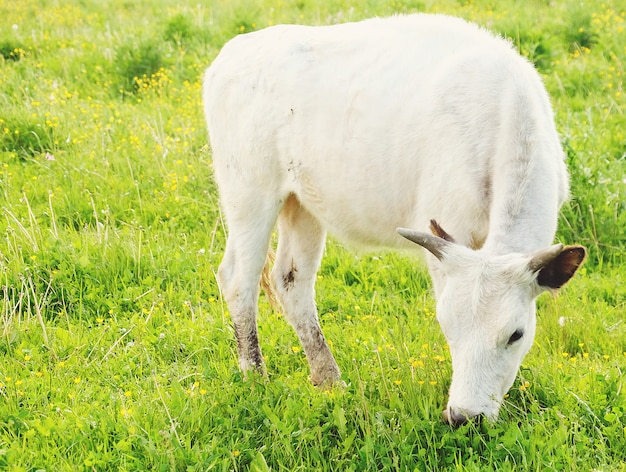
266,282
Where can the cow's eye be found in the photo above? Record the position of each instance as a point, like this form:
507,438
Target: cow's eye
516,336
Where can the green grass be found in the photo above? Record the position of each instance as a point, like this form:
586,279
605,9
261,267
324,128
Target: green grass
116,350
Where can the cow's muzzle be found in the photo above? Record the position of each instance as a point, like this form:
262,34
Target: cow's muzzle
457,417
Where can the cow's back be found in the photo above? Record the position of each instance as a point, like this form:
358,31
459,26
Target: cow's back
380,124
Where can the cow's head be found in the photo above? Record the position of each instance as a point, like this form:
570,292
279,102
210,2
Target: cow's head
486,309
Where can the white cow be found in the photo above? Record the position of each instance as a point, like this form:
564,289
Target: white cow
363,128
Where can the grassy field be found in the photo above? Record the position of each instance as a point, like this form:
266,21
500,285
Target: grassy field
116,351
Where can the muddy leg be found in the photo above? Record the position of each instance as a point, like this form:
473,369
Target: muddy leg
239,276
300,247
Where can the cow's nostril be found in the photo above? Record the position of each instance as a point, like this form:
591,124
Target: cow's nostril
457,418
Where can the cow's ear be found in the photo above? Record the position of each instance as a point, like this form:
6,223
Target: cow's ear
556,265
437,230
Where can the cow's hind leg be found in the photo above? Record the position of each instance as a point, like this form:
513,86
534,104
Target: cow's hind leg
300,247
250,224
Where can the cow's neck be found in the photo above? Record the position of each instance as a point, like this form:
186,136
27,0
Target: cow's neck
524,210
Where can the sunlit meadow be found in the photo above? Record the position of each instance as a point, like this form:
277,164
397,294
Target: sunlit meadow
116,350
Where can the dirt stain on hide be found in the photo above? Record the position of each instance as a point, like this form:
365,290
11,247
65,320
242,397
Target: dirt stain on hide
248,345
289,278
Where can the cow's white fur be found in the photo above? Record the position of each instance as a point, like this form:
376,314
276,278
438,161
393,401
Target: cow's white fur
365,127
